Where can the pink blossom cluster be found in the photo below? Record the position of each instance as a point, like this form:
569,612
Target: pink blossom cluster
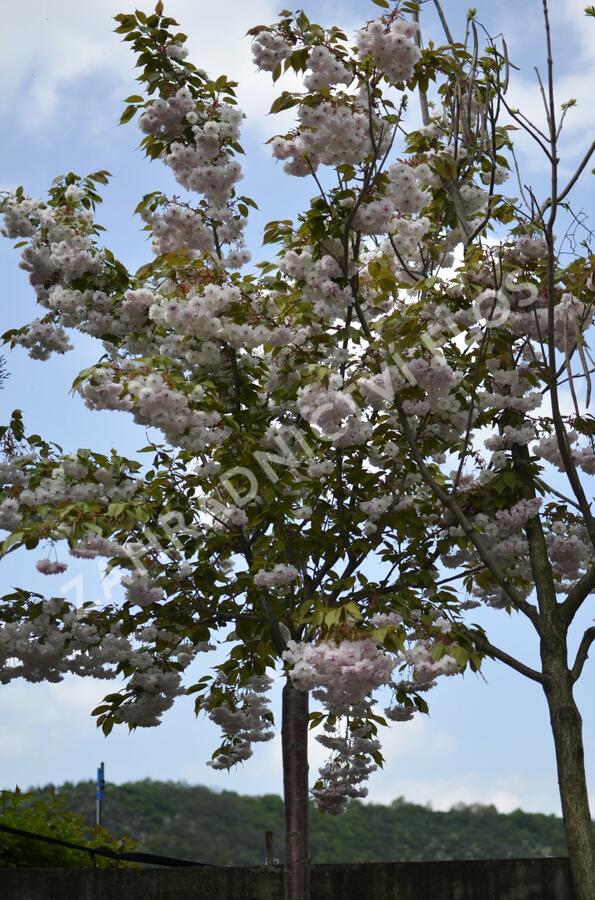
425,669
57,639
342,777
402,194
167,118
42,338
61,240
325,70
269,50
180,227
341,675
198,139
504,532
140,590
204,165
435,376
50,567
392,48
10,517
404,188
547,448
244,717
318,279
68,483
529,247
334,413
93,546
403,248
278,576
152,402
329,135
150,692
572,318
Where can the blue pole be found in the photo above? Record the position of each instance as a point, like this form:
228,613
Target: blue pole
99,793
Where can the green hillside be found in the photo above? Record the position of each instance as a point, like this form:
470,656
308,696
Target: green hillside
225,828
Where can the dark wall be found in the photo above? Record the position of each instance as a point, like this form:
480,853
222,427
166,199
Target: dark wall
522,879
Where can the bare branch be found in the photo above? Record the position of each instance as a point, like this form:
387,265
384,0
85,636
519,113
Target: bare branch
581,167
560,429
443,22
423,96
577,595
483,644
582,653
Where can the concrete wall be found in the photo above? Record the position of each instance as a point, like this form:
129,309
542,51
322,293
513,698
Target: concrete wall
522,879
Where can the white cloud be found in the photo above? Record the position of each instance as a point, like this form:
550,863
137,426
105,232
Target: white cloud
574,73
56,48
506,792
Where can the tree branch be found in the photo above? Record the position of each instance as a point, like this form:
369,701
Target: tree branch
443,22
577,595
573,180
582,653
423,95
476,539
483,644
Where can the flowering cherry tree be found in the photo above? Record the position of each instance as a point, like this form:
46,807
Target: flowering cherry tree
405,381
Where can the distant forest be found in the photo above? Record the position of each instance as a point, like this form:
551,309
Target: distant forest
225,828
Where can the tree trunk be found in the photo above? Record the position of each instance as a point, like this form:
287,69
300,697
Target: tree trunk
567,729
566,722
294,738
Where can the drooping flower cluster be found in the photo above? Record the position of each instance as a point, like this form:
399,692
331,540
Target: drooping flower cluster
199,138
167,118
340,675
49,567
343,675
42,339
507,542
244,717
152,402
343,775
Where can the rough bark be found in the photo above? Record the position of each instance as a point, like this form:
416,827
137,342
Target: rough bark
570,758
294,738
566,722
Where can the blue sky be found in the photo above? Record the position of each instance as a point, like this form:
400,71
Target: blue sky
64,75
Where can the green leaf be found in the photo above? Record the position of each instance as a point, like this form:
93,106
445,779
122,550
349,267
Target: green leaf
285,101
316,718
11,540
127,115
383,3
107,726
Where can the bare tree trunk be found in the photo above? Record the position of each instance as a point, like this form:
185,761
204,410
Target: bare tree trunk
294,738
568,740
566,722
